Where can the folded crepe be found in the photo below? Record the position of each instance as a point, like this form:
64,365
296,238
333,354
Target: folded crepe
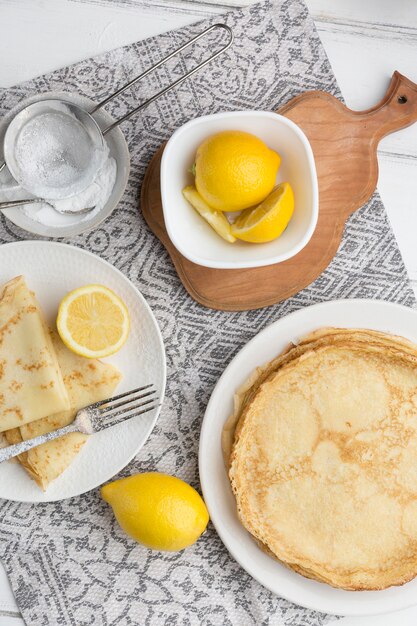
86,381
31,384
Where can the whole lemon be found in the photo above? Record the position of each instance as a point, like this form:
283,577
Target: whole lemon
159,511
235,170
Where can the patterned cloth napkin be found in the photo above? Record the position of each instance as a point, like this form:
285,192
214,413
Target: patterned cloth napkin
68,562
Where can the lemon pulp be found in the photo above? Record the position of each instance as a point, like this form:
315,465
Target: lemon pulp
268,220
216,219
93,321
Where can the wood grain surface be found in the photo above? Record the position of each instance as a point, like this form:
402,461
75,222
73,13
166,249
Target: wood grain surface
344,144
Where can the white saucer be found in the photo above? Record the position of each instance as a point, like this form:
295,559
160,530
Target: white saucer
117,149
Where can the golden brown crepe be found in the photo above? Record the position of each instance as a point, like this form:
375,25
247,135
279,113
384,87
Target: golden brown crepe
31,384
324,458
86,381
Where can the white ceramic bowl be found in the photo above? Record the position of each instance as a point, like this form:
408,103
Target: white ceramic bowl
188,231
75,225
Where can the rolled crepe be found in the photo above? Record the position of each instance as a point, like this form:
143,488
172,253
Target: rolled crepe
31,383
86,381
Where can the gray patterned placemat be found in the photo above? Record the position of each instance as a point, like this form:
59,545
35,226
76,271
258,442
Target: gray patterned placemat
68,562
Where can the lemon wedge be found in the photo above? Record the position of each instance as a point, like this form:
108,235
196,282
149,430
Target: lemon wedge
216,219
268,220
159,511
93,322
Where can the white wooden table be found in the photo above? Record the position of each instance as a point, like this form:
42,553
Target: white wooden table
365,41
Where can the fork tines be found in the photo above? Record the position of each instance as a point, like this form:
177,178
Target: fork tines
126,405
108,401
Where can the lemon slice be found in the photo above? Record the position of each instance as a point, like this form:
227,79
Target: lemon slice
268,220
216,219
93,322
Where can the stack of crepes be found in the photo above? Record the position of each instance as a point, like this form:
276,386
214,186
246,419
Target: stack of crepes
43,384
322,458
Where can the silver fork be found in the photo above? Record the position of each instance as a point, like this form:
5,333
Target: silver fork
94,418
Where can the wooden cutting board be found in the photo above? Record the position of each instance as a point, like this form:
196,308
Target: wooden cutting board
344,144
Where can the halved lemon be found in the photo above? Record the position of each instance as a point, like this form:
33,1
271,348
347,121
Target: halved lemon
268,220
93,321
216,219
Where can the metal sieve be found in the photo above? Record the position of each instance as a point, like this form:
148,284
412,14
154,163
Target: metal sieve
67,141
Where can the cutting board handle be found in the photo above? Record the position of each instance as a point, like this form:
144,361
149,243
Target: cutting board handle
397,109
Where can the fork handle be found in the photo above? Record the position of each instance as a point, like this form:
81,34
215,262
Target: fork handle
11,451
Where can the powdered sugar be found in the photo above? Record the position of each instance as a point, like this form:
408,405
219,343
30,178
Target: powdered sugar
97,194
54,152
52,149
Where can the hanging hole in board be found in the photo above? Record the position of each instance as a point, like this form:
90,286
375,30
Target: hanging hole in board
402,99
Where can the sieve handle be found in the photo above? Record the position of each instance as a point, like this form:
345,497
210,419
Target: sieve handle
156,66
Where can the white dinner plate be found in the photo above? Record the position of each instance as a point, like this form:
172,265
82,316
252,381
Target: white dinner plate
51,270
220,501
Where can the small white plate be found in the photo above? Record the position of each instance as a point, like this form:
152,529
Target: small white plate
51,270
74,225
218,495
192,236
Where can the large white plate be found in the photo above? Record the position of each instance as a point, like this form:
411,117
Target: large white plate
216,488
51,270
